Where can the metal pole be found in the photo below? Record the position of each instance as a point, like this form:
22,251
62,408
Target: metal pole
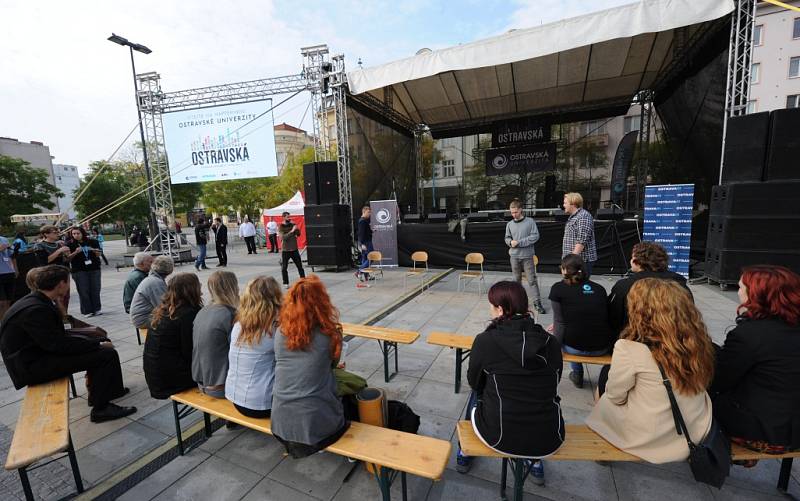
151,194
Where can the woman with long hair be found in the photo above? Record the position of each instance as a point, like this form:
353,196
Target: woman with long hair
251,357
167,357
756,388
211,334
307,416
514,370
84,260
665,330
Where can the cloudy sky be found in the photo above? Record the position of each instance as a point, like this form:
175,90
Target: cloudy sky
63,83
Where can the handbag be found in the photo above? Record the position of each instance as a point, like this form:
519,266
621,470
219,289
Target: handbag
709,459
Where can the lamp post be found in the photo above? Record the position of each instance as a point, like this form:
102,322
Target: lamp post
151,193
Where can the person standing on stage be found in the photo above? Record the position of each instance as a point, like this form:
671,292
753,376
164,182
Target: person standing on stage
289,232
221,239
201,236
579,232
521,234
364,241
272,231
248,231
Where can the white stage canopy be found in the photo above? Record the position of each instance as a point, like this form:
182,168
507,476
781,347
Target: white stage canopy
583,63
294,206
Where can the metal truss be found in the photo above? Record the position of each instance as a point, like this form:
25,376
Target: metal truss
233,93
419,133
645,100
315,70
740,52
338,84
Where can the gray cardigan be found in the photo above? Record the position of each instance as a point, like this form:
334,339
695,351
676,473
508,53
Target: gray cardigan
526,233
211,338
147,296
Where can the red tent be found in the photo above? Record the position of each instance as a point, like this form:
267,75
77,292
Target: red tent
295,206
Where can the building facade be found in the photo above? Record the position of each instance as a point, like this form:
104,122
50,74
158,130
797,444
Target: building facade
775,69
67,180
289,141
36,153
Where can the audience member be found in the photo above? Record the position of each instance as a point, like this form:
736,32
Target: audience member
211,336
36,348
149,292
8,275
84,259
201,239
50,249
580,315
251,373
20,243
100,240
665,330
648,260
289,233
247,230
756,388
307,415
141,267
167,356
514,370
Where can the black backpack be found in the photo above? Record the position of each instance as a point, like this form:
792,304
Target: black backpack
402,418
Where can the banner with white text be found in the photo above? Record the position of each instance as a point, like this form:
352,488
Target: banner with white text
384,229
668,221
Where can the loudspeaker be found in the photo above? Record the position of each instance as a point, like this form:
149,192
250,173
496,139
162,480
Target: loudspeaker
784,145
326,214
437,217
330,234
550,193
751,199
329,255
754,232
321,184
725,265
745,148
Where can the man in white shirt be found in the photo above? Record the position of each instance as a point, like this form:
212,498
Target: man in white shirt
247,230
272,231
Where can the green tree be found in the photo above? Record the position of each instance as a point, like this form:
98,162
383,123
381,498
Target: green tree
185,196
291,179
23,188
107,184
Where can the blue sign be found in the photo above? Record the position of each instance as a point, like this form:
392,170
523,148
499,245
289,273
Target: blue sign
668,221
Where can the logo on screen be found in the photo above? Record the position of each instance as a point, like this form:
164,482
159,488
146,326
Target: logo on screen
500,161
383,216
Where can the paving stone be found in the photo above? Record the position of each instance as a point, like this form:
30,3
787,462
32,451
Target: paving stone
84,432
215,479
165,476
256,451
270,490
432,397
639,481
221,438
362,485
163,419
398,388
468,488
319,475
10,412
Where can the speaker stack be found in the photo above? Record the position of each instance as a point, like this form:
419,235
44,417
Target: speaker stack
755,214
328,236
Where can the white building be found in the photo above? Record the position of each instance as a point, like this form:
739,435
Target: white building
775,70
290,141
36,153
67,180
454,156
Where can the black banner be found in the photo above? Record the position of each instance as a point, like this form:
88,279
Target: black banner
523,131
518,159
622,164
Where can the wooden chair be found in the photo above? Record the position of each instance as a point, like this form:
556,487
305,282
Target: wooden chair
374,263
473,258
417,257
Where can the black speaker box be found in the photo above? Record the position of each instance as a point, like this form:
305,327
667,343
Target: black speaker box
725,265
779,233
478,217
437,217
326,214
321,184
784,145
745,148
310,183
329,255
331,234
750,199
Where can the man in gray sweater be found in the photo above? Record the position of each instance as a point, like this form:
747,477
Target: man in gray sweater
521,234
148,294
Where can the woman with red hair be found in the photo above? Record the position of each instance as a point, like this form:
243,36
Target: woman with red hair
756,386
307,416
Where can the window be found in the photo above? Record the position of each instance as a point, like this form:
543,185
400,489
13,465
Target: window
796,30
794,67
632,123
755,73
793,101
448,168
593,128
758,34
752,107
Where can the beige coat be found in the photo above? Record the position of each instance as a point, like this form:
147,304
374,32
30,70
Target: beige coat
634,413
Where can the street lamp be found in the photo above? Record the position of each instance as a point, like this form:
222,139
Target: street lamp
150,189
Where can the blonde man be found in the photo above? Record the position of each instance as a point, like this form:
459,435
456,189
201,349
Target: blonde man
579,232
521,234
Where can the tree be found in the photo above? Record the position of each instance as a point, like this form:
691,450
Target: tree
185,196
291,179
110,182
23,188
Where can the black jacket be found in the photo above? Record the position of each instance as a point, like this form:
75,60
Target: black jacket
756,388
221,234
167,356
201,233
515,368
617,300
32,328
364,231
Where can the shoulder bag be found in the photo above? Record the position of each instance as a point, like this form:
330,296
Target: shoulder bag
709,459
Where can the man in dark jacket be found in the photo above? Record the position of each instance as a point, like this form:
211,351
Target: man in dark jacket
36,349
141,267
221,240
201,238
364,241
289,232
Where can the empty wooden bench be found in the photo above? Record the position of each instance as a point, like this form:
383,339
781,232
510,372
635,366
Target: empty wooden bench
42,430
463,345
390,451
387,338
583,444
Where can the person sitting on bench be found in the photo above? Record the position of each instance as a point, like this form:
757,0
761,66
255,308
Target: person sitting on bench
514,370
211,334
36,348
307,415
634,414
149,292
756,387
580,315
251,359
167,356
142,262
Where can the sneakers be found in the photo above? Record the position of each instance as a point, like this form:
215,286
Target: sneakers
576,378
110,412
539,308
463,463
536,472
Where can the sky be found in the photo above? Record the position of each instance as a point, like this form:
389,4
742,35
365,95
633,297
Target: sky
63,83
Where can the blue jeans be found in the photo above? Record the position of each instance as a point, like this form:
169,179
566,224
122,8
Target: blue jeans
471,404
365,253
576,367
587,267
201,258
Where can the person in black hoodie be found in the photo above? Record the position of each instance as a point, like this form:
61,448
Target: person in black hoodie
514,370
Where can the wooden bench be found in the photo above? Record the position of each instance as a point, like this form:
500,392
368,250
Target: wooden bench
390,451
463,345
583,444
42,430
387,338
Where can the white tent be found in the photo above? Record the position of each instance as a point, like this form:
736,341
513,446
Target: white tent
294,206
